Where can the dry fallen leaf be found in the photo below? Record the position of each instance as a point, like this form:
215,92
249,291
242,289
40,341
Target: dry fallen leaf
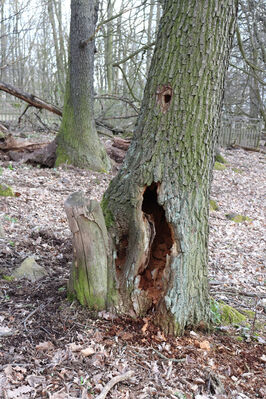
205,345
146,323
74,347
8,370
87,351
18,392
263,358
126,335
45,346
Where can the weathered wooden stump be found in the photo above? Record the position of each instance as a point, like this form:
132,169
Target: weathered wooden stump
88,278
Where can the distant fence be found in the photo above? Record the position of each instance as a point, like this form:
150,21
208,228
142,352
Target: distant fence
12,113
242,132
238,131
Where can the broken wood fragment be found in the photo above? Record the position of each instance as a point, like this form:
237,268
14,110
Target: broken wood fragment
113,382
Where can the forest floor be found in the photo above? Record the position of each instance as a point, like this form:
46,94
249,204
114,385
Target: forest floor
52,348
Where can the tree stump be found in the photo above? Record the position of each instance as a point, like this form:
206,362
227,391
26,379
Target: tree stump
88,278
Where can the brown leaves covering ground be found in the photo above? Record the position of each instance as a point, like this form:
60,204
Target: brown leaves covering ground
50,348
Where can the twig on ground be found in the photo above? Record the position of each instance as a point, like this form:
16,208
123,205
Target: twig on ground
234,292
167,358
255,318
30,315
113,382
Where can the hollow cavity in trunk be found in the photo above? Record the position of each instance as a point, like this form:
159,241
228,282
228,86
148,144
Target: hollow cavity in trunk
160,243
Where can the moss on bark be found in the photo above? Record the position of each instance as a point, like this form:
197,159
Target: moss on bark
83,292
108,216
157,207
78,143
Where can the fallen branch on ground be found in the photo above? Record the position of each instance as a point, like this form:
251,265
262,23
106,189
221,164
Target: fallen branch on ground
113,382
11,144
3,128
232,292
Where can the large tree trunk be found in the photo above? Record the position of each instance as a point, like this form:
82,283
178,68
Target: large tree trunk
156,208
78,143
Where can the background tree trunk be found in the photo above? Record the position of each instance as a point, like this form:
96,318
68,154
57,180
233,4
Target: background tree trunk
156,208
78,143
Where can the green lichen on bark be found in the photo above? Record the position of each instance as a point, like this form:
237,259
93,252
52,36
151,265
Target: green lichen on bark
108,216
6,191
81,289
173,149
78,143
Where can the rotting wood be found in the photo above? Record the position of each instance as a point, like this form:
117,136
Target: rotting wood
45,153
88,280
3,129
11,144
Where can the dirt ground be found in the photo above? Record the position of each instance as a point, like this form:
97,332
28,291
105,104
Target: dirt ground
52,348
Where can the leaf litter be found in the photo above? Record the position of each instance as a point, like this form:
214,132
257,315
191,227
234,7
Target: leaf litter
51,348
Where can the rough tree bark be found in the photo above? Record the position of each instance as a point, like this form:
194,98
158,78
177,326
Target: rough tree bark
78,143
156,208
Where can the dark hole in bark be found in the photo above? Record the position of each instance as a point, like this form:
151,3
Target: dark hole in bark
121,253
167,98
160,246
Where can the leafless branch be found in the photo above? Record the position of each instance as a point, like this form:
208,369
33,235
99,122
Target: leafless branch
113,382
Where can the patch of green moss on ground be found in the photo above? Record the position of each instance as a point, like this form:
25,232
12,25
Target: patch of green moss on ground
219,166
6,191
222,314
220,159
108,216
229,315
71,297
8,278
249,313
213,205
236,170
238,218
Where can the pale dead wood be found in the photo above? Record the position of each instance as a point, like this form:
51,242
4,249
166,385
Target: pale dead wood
11,144
3,128
120,143
29,98
113,382
86,222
